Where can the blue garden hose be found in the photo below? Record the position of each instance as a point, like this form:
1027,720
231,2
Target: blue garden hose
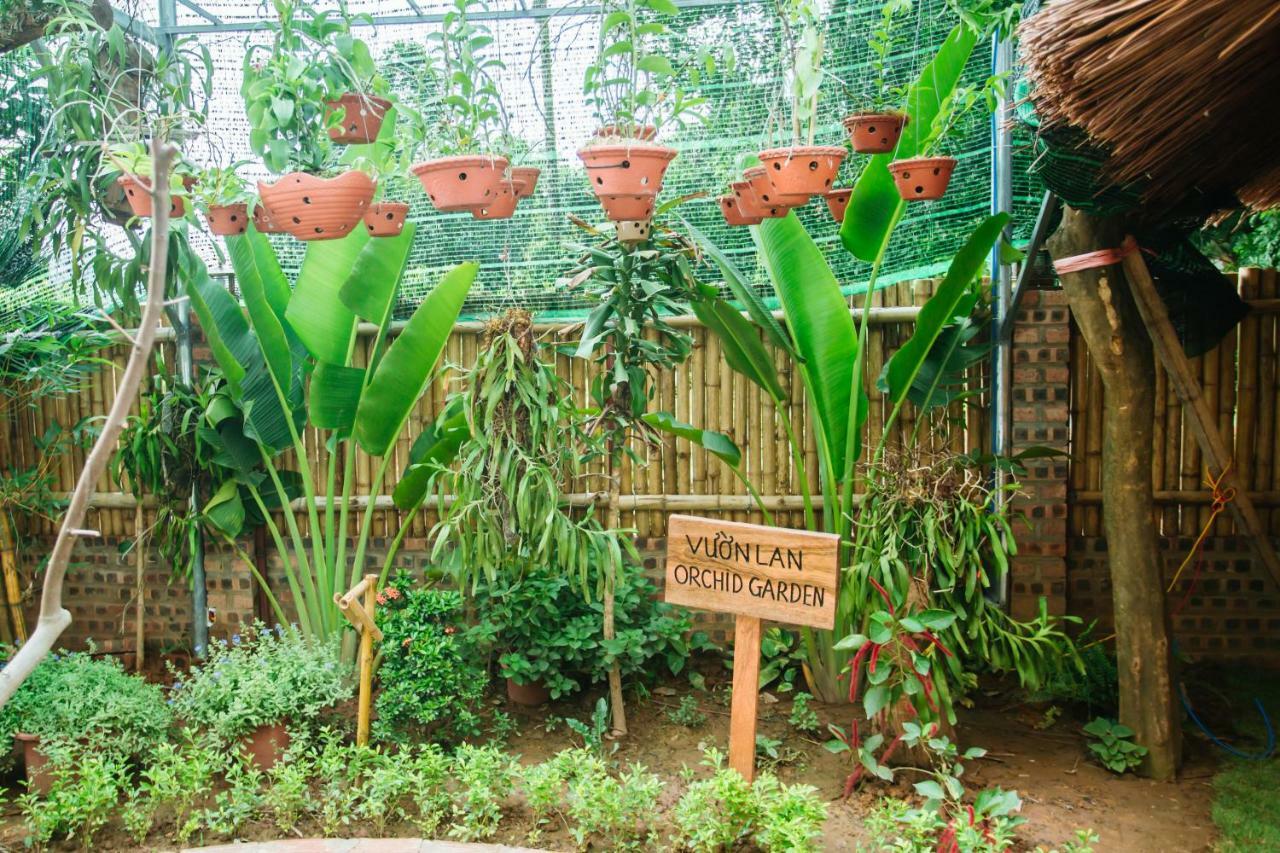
1267,751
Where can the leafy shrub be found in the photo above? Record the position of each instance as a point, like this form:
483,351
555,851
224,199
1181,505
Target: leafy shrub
484,777
83,795
430,687
73,696
1111,743
688,714
803,718
266,677
615,809
791,817
544,630
1095,687
175,780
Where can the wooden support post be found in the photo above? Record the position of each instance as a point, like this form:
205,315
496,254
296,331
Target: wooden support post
1200,416
366,662
746,695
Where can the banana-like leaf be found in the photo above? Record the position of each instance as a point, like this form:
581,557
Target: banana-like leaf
740,341
260,278
373,281
942,308
225,510
821,326
437,446
943,376
335,395
716,443
406,368
875,206
317,314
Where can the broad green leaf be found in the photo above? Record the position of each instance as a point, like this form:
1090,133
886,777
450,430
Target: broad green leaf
875,206
740,342
437,446
851,643
335,395
406,368
225,510
716,443
875,700
260,278
373,281
316,313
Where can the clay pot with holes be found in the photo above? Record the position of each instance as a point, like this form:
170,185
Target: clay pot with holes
838,203
748,203
385,218
922,178
361,118
634,230
802,170
226,220
314,208
627,208
875,133
463,183
264,222
731,207
509,193
527,174
768,196
136,192
626,176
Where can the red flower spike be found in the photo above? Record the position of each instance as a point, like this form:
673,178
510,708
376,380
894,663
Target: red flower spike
883,594
875,656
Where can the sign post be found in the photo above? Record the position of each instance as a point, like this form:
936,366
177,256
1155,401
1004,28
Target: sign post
756,573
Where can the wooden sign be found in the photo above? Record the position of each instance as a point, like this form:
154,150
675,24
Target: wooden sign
754,572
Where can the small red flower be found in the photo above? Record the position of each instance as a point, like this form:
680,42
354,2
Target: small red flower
393,593
407,641
380,598
449,630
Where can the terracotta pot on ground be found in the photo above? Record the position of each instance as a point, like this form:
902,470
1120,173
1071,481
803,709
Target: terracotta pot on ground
386,218
227,219
361,120
731,207
527,694
136,192
802,170
770,197
509,193
39,779
922,178
875,133
633,167
461,184
266,744
264,222
838,203
528,174
314,208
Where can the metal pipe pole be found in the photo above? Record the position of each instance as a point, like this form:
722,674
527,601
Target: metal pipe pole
199,587
1001,280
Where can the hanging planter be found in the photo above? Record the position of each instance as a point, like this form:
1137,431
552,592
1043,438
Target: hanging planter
509,192
626,175
634,230
838,203
314,208
770,197
875,133
462,183
802,170
734,214
646,133
264,222
226,220
386,218
750,205
137,193
922,178
529,175
361,118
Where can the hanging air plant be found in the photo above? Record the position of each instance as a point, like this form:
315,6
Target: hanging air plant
925,177
877,128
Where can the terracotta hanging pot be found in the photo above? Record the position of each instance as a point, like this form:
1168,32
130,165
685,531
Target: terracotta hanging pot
226,220
264,222
509,192
627,208
734,214
875,133
462,183
386,218
361,118
527,694
265,745
39,778
313,208
802,170
115,205
838,203
922,178
748,203
136,192
528,174
768,196
630,168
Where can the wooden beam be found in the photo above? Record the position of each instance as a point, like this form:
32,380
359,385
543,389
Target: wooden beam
1203,421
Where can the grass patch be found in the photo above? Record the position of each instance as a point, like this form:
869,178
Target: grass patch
1246,794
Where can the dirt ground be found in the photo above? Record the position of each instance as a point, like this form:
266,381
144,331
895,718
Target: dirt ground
1062,790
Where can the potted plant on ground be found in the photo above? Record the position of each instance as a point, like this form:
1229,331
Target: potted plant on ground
925,177
93,703
286,94
248,690
633,91
877,129
802,169
224,197
465,174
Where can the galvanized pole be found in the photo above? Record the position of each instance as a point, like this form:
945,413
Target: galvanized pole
1001,283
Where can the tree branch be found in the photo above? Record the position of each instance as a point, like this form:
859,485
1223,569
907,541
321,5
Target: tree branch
26,24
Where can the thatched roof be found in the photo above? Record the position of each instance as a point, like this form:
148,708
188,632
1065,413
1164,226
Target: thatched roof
1185,94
